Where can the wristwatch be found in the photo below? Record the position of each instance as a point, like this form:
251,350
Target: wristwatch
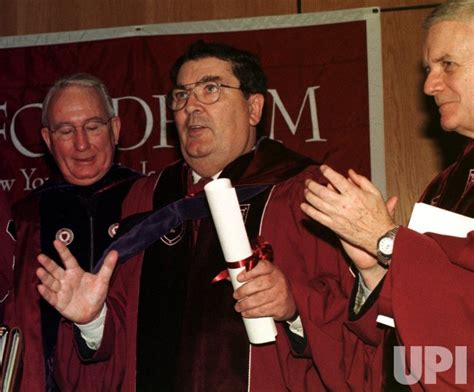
385,246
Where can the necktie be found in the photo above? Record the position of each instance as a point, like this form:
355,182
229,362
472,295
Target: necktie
194,189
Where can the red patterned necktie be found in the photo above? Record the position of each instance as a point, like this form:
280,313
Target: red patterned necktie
194,189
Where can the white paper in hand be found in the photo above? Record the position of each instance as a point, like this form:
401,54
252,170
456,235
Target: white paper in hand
430,219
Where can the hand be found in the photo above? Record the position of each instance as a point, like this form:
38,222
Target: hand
265,293
353,208
370,270
77,295
363,260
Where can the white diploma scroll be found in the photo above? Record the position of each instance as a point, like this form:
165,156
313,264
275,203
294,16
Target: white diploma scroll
225,211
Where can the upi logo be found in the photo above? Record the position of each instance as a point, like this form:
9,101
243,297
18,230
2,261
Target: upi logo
427,361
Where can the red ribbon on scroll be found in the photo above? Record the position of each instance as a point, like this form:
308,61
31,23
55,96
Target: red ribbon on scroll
262,250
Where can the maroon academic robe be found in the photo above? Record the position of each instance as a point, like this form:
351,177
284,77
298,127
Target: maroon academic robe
6,253
35,233
428,290
320,280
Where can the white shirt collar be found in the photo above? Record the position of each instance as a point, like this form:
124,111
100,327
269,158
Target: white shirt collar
197,177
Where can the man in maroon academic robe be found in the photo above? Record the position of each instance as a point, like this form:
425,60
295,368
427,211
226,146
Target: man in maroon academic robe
79,205
422,281
161,304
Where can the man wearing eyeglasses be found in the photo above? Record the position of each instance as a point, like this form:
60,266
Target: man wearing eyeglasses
79,205
167,327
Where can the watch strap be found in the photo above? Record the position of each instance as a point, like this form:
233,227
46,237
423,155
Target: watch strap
383,258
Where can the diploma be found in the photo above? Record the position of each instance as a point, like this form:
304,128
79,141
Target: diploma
225,211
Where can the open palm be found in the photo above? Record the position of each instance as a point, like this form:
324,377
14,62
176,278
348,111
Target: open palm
77,295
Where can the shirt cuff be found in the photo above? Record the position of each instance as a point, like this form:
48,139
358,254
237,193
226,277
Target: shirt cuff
364,288
363,292
296,326
93,332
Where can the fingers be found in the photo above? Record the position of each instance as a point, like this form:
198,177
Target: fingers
316,214
337,180
107,268
258,279
264,267
344,185
363,182
258,305
276,302
47,280
317,188
48,295
322,198
66,256
50,266
266,294
391,204
317,194
258,302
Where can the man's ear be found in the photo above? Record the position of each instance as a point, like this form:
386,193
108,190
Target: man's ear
255,102
116,126
46,137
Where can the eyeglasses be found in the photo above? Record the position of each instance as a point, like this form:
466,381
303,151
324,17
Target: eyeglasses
92,128
205,91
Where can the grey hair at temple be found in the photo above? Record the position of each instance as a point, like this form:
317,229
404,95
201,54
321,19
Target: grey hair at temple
452,10
82,80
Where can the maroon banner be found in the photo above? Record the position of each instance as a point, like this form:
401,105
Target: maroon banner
317,102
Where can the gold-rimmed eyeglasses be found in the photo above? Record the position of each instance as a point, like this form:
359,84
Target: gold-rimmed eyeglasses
92,127
205,91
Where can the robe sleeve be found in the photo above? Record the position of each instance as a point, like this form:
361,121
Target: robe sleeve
6,252
431,293
106,369
427,290
321,283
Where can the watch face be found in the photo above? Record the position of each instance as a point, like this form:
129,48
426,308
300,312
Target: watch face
386,246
